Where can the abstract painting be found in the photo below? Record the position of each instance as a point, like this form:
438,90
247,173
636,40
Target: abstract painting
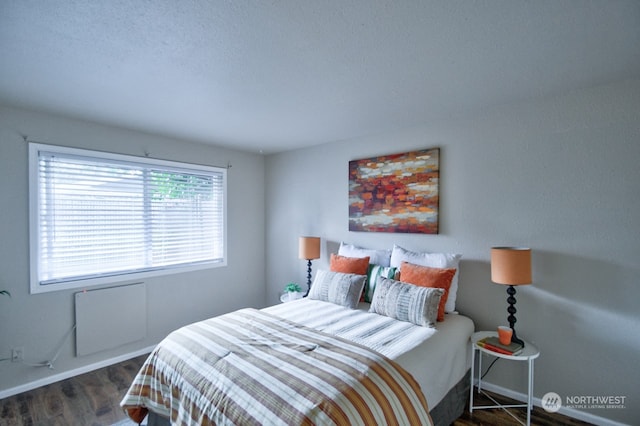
395,193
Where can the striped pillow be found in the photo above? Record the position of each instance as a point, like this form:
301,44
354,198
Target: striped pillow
406,302
336,287
374,272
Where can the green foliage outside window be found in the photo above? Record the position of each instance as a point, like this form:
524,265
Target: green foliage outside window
174,186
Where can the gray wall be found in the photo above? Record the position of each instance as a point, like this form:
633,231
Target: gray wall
39,322
560,175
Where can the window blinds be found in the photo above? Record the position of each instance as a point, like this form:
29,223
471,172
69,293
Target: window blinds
100,217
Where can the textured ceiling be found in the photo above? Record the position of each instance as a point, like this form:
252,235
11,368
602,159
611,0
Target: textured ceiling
276,75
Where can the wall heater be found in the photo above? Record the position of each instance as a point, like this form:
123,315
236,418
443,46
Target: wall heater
110,317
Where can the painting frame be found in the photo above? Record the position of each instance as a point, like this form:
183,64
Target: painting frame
398,193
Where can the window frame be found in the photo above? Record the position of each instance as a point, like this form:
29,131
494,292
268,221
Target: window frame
34,222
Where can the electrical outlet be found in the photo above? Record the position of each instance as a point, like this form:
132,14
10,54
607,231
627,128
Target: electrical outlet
17,354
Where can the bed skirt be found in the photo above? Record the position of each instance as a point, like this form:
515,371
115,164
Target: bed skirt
452,405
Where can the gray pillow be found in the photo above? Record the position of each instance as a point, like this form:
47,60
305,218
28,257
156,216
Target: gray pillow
336,287
406,302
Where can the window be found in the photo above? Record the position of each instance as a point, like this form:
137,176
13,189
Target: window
98,218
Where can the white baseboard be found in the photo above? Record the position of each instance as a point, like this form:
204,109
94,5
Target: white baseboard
570,412
72,373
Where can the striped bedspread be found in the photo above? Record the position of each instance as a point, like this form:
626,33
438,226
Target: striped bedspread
252,367
384,335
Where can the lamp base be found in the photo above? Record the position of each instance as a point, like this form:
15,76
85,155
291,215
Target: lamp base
308,277
515,339
511,300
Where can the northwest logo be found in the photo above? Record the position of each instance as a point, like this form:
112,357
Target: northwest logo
551,402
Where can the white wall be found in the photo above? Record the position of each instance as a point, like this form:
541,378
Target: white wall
560,175
38,323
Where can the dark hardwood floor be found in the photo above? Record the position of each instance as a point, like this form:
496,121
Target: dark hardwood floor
498,417
93,399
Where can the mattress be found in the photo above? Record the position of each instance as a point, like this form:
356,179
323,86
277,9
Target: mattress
437,358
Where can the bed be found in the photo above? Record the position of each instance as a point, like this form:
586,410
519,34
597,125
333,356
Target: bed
329,358
436,357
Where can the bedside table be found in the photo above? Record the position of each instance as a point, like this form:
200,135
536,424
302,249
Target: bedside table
529,353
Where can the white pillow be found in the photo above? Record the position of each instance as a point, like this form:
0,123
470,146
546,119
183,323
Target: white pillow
433,260
377,257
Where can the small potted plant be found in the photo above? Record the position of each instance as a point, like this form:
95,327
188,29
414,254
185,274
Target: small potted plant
292,291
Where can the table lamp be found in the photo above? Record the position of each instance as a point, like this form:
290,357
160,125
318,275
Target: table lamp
309,249
511,266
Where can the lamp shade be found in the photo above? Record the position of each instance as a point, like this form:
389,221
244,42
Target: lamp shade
511,265
309,248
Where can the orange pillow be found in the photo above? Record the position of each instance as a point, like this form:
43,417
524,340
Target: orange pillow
349,265
425,276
